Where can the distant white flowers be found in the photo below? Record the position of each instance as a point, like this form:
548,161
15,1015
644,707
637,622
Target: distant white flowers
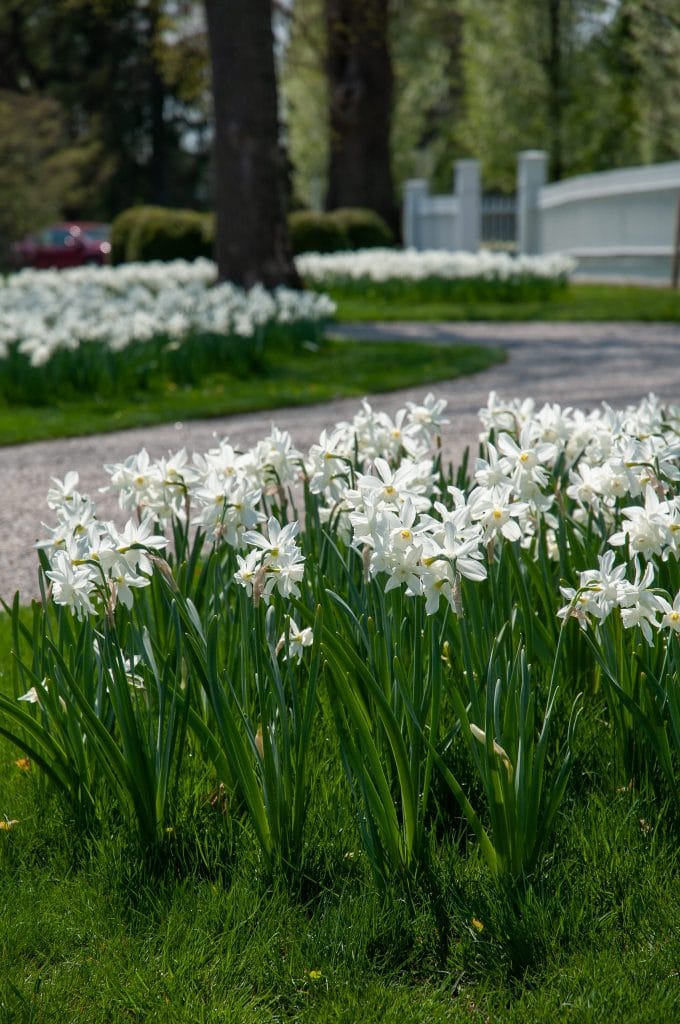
46,312
376,486
43,312
379,265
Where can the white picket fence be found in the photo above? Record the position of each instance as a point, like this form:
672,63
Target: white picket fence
444,221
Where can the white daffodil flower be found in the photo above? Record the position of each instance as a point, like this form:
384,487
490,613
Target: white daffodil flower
295,640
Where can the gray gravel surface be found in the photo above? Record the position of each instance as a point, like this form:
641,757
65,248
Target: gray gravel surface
580,364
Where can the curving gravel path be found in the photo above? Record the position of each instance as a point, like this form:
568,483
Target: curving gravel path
574,364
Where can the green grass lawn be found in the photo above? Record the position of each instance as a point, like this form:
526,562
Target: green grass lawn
88,934
576,302
287,378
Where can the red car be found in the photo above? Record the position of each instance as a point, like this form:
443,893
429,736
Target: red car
64,245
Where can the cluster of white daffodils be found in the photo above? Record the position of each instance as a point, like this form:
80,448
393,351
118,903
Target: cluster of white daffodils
622,468
93,564
425,553
405,530
379,265
370,435
222,491
44,312
376,483
608,454
227,494
274,561
605,589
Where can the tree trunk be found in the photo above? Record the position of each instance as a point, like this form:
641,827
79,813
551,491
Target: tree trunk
555,74
158,163
360,86
252,243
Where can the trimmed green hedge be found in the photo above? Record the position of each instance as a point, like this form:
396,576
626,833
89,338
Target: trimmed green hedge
344,228
315,232
364,229
159,233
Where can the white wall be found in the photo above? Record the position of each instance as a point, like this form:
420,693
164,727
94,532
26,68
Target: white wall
614,222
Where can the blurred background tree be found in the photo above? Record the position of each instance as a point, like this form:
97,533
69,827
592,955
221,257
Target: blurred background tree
37,166
596,83
360,96
130,79
427,44
424,42
653,27
252,243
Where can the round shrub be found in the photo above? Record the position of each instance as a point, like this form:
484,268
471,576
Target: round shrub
163,234
315,232
122,230
364,229
158,233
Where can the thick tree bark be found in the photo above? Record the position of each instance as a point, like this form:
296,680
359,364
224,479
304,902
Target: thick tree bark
555,74
360,86
252,243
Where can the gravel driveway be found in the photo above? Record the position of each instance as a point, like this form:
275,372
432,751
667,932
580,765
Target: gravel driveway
573,364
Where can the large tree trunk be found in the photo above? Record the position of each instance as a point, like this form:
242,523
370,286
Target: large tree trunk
252,243
553,64
360,85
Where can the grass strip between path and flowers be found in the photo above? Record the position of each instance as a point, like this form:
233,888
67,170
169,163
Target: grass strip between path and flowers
338,369
579,302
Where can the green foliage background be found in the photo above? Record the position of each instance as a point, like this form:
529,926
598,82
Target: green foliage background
474,80
107,104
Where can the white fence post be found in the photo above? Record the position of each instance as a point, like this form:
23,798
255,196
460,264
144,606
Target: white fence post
316,191
532,167
415,190
468,192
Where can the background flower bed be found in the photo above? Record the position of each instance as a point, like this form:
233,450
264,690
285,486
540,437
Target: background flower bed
436,275
107,330
115,330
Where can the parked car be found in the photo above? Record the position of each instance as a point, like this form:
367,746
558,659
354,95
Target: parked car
72,244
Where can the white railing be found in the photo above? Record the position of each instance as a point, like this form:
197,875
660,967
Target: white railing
499,220
615,223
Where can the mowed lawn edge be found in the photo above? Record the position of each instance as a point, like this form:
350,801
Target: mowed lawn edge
338,369
577,302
